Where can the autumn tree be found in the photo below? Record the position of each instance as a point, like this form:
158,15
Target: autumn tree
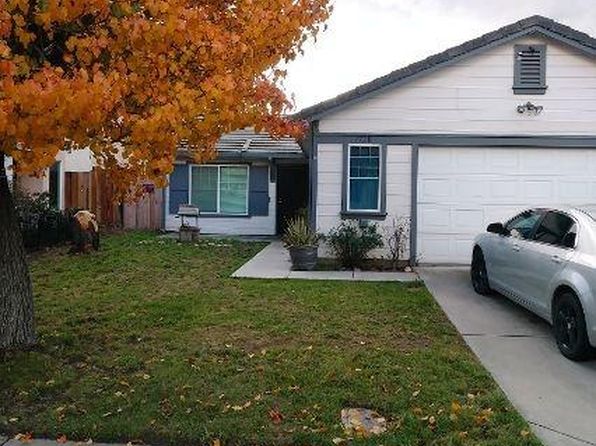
131,79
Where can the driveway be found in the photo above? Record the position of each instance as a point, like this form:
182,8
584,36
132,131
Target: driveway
555,395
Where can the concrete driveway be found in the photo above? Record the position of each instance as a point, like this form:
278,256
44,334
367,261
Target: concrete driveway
555,395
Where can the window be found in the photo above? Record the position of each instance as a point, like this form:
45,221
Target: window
523,225
363,182
554,229
530,69
220,189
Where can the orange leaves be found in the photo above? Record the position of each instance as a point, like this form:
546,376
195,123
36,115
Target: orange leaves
143,78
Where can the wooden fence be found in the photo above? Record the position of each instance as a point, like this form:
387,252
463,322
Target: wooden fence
93,191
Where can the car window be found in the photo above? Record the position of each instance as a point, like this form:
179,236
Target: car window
523,225
553,228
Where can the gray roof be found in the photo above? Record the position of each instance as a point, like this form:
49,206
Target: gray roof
247,143
531,25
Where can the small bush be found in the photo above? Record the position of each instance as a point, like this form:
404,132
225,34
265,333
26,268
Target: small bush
299,234
41,224
352,241
398,236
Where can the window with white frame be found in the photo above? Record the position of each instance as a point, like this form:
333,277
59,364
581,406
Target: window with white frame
364,182
220,189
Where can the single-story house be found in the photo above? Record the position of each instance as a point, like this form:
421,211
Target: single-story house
253,187
461,139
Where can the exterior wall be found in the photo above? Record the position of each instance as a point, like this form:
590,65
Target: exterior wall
76,160
34,185
265,225
329,188
475,96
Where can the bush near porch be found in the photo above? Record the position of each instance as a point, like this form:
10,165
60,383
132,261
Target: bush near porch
151,340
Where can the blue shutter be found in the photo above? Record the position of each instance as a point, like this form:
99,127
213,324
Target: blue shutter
178,187
258,198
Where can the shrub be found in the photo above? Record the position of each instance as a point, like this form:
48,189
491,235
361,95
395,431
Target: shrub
398,236
41,224
352,241
299,234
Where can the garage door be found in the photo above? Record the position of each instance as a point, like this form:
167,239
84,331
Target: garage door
462,190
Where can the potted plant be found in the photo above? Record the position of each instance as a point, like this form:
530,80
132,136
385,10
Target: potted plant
303,244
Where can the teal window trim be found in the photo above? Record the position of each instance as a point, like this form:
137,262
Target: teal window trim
219,212
379,212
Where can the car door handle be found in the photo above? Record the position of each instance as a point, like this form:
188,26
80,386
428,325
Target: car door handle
516,248
556,259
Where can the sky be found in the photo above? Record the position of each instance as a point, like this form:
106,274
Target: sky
367,39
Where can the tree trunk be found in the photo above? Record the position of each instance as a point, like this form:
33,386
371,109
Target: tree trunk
17,328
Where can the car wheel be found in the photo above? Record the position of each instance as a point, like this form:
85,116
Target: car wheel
479,273
569,325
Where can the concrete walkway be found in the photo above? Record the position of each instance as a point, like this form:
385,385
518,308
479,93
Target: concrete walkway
273,262
555,395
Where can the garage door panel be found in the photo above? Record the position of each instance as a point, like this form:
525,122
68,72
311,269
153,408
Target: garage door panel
436,188
500,161
574,190
435,218
462,190
539,190
470,161
471,188
503,191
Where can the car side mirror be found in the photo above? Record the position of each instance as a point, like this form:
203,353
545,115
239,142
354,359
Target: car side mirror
497,228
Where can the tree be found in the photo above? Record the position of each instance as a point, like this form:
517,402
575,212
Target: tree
131,79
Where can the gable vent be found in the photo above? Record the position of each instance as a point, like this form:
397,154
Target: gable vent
530,69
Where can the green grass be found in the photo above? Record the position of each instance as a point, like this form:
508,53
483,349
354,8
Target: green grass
151,340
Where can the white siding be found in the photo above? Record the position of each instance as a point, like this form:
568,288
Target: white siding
475,96
265,225
329,187
34,185
76,160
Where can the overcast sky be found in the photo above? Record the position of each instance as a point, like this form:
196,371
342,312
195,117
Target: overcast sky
369,38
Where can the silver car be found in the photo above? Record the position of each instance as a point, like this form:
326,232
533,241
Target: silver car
545,260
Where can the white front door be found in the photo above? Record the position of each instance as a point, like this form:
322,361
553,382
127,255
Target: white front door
463,189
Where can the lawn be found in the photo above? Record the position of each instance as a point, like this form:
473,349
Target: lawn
149,340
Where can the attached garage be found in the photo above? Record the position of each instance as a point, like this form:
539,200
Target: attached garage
463,189
466,137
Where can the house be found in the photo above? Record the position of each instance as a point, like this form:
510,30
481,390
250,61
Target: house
55,180
254,186
256,183
461,139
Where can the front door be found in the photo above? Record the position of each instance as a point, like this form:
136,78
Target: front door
292,193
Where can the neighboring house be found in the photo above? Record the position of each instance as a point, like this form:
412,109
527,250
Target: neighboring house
464,138
252,188
55,179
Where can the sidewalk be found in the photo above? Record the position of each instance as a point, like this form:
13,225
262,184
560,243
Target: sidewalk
273,262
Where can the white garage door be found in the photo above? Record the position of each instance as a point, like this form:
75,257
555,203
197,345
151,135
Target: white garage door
462,190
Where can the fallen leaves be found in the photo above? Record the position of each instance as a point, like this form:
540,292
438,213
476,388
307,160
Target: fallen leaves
275,416
24,438
483,417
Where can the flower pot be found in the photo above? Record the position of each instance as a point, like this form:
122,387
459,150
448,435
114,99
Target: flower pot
304,258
